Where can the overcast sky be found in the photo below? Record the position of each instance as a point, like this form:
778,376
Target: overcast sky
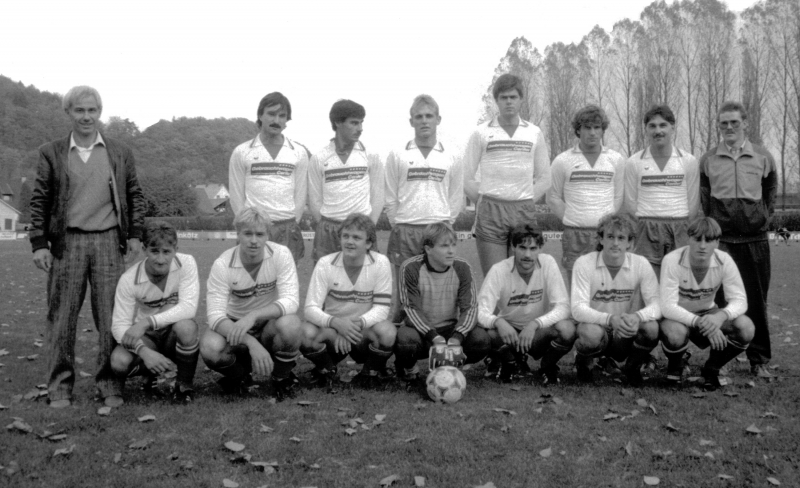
155,60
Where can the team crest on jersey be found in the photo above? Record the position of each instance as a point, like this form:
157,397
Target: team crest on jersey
352,296
344,174
695,295
588,176
612,296
535,296
513,146
662,180
272,169
168,300
256,291
426,174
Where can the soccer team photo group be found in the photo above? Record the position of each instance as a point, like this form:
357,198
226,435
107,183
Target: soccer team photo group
659,284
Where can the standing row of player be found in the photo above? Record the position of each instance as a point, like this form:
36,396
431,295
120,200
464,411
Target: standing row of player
87,208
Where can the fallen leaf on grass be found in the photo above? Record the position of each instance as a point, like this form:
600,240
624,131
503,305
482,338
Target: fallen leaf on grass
610,416
487,485
31,357
380,417
768,415
263,465
602,438
2,407
751,384
774,481
558,401
31,395
731,394
305,403
364,427
350,431
662,454
389,480
84,374
538,410
65,451
546,453
20,426
651,480
4,352
146,418
641,402
240,457
172,456
419,481
629,448
294,439
229,483
234,446
117,458
140,444
699,395
57,437
709,455
187,465
724,476
410,439
103,411
264,428
705,442
515,388
695,453
505,411
314,466
671,427
753,429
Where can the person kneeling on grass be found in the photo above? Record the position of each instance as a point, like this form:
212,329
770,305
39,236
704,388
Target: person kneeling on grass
529,294
690,279
153,320
439,300
615,301
347,307
252,300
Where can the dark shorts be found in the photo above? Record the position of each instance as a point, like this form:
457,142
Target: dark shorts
287,232
326,238
405,242
575,242
162,340
495,218
656,237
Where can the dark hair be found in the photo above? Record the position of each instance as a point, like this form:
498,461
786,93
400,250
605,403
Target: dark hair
274,98
508,82
522,232
704,227
159,232
731,106
619,221
662,111
590,114
361,222
434,232
344,109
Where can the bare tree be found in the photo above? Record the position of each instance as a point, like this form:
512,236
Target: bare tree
625,72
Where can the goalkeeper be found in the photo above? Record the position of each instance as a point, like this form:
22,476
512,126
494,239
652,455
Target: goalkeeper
439,302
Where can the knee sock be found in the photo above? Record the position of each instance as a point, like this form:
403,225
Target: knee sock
236,369
284,364
321,359
376,359
639,354
674,358
186,361
553,353
718,359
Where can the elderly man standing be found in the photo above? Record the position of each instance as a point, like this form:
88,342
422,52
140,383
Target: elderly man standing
738,184
87,212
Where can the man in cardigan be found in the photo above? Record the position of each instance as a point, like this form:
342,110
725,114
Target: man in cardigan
87,212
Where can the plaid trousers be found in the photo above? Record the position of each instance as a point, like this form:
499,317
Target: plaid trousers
94,258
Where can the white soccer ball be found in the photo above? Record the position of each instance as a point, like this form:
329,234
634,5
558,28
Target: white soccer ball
446,384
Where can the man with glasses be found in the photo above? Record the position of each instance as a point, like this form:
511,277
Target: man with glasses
738,183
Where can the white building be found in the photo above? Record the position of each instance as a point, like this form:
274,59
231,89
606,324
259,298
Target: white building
8,216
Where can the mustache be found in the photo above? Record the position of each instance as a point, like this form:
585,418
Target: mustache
275,126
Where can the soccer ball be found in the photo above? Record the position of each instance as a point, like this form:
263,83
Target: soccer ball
446,384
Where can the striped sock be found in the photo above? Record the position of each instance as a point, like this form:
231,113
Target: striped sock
186,360
284,364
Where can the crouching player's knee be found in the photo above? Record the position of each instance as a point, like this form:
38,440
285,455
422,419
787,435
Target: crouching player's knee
592,339
742,331
477,345
648,334
289,331
212,345
121,360
674,335
567,332
382,335
185,331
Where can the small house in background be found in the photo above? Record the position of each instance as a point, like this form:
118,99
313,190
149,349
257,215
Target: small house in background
215,191
207,205
8,216
6,193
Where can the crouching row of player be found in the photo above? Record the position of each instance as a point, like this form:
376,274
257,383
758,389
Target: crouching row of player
523,307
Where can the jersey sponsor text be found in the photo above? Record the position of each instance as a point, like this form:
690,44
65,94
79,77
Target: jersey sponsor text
591,177
535,296
255,291
271,169
426,174
516,146
343,174
662,180
609,296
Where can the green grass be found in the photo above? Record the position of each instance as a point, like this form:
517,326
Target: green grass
466,444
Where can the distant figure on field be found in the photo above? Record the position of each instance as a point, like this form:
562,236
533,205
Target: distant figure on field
783,234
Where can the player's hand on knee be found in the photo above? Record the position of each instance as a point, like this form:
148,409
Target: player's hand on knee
134,334
342,345
239,329
262,361
43,259
507,333
708,325
621,328
351,329
526,337
717,340
155,361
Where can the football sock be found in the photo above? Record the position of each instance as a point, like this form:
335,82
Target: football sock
639,354
186,361
284,364
235,369
553,353
718,359
620,347
320,358
674,358
506,354
376,358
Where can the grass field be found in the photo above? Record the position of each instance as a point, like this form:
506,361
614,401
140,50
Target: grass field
498,435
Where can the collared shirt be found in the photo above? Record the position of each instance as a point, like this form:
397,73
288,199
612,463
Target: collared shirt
673,192
542,299
582,193
596,296
422,190
85,152
277,185
511,168
232,291
138,298
682,297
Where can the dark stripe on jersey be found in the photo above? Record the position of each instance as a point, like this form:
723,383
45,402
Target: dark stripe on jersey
696,294
591,176
609,296
171,300
426,174
257,290
515,146
662,180
351,296
271,169
343,174
535,296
